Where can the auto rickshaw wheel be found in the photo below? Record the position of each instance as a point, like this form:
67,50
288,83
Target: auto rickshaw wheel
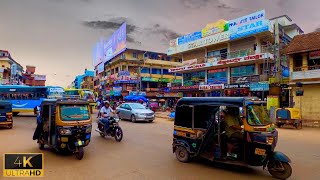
10,126
80,153
299,125
284,173
182,154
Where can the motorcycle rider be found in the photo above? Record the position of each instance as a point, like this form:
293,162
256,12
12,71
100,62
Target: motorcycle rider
105,112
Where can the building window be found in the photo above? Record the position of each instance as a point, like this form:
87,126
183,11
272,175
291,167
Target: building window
218,76
193,78
165,71
242,71
297,62
220,54
135,55
156,71
145,70
123,56
178,74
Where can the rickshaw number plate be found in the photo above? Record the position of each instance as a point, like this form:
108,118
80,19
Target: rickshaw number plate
260,152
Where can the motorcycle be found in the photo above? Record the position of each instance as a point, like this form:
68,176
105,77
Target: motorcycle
114,130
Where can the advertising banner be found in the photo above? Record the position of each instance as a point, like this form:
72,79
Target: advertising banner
97,53
314,55
259,86
189,62
38,77
134,93
100,68
272,101
211,87
117,90
116,44
150,79
236,86
214,28
248,25
189,38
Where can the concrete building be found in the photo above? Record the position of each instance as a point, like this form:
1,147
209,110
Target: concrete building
32,79
137,70
234,58
80,78
304,63
10,70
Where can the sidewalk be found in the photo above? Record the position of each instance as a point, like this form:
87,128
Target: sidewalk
164,115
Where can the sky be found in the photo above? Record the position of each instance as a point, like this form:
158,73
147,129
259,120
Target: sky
57,36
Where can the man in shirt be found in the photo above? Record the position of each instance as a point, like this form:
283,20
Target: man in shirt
233,129
105,113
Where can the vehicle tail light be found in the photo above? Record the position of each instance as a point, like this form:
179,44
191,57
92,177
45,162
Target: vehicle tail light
9,116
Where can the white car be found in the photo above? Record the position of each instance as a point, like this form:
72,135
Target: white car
135,112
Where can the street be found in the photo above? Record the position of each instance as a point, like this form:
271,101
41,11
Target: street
145,153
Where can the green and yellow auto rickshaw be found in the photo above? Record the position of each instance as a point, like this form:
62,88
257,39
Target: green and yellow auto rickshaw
6,114
65,125
200,130
289,116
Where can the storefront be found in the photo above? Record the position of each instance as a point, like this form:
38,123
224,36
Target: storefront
213,90
217,76
188,91
236,90
193,78
260,89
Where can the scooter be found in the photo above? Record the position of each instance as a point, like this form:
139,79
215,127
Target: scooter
114,130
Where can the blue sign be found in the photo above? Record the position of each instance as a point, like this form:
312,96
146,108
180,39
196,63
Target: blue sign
117,91
221,80
123,73
126,81
134,93
97,53
116,44
190,37
248,25
259,86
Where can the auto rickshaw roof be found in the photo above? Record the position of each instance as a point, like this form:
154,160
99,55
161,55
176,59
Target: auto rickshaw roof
237,101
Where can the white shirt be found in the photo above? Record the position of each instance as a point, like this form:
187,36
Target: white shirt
105,111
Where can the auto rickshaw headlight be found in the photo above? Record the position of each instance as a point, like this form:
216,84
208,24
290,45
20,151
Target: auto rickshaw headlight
89,128
65,131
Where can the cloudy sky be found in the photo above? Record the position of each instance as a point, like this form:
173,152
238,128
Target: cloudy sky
57,36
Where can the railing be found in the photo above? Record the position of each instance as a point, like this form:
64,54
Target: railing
302,68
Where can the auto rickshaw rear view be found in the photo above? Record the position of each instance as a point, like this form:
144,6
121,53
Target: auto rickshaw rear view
6,114
289,116
230,130
65,126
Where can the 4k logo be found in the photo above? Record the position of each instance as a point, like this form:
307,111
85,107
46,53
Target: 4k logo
23,165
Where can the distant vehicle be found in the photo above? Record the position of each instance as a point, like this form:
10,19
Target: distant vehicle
135,112
85,94
26,98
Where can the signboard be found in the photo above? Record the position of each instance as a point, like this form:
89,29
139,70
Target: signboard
248,25
222,62
211,87
213,39
314,55
60,90
189,38
305,74
97,53
100,68
164,80
134,93
259,86
123,73
124,77
38,77
116,44
236,86
1,69
117,90
217,78
245,79
214,28
14,69
185,87
149,79
272,101
189,62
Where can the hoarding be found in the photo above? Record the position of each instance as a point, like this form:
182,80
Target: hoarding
214,28
97,53
189,38
248,25
116,44
100,68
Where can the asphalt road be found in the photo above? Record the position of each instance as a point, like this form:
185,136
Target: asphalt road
146,153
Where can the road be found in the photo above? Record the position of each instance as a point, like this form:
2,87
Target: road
145,153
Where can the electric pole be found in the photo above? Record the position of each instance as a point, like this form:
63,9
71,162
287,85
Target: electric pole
277,51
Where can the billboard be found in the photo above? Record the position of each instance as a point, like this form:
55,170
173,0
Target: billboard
97,53
247,25
100,68
116,44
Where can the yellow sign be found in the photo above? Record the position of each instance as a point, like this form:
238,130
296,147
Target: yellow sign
23,165
260,152
214,28
272,101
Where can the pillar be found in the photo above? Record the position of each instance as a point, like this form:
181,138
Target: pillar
305,62
206,76
229,74
258,48
290,65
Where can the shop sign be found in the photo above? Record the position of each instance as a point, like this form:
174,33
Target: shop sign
259,86
211,87
134,93
217,70
177,81
117,90
195,66
314,55
245,79
214,28
248,25
189,37
123,73
152,89
168,95
221,80
149,79
185,87
38,77
165,80
236,86
189,62
213,39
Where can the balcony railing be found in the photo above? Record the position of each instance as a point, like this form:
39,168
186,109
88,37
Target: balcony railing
302,68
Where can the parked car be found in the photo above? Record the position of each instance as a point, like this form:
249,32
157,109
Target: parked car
135,112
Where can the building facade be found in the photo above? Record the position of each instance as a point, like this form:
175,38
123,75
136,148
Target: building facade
84,80
10,70
32,79
87,82
137,70
304,63
233,58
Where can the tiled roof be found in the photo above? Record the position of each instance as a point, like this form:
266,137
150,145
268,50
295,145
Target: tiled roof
304,43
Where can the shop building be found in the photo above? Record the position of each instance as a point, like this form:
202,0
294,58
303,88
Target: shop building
32,79
140,71
84,80
231,58
10,70
304,63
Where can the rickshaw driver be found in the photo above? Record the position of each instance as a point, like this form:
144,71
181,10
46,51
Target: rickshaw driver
233,129
105,112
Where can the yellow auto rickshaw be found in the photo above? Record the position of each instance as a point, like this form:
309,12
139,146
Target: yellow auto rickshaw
289,116
65,125
6,114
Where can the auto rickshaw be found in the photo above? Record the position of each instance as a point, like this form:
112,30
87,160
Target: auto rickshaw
200,131
6,114
289,116
65,125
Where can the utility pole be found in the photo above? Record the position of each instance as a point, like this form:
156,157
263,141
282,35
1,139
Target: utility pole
277,52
